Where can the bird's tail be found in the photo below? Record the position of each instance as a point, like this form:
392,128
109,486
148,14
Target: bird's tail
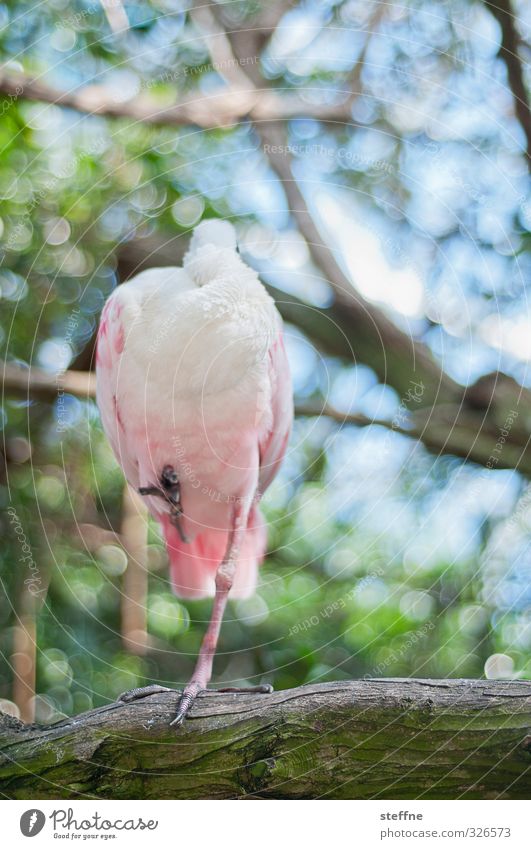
193,565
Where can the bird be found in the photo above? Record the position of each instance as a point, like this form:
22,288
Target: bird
195,396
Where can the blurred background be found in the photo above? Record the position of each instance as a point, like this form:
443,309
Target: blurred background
374,158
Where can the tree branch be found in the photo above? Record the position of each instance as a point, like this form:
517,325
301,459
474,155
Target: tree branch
465,431
396,357
504,14
390,739
221,108
116,15
37,383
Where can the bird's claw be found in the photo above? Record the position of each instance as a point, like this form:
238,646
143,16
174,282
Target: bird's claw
149,490
175,519
188,696
191,692
178,719
170,491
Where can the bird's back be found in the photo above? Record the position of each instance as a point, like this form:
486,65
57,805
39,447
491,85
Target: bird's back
184,377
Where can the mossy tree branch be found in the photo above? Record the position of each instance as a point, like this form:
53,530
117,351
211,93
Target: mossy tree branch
386,738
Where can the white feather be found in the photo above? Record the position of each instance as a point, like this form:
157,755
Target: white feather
192,373
195,360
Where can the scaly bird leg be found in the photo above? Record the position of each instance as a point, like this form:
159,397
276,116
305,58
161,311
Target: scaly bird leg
203,668
224,578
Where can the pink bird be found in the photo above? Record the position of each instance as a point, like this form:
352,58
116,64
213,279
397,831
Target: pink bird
194,391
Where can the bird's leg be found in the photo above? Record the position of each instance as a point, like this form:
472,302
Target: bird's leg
224,578
170,490
203,668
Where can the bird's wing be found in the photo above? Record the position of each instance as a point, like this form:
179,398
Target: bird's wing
110,344
127,323
273,444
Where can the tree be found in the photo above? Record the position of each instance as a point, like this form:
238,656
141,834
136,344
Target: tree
370,124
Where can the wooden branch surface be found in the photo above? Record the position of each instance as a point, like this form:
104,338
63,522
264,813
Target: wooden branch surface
374,738
220,108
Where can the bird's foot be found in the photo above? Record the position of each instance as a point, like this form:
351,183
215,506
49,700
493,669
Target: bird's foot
186,700
188,697
192,690
168,487
170,491
142,692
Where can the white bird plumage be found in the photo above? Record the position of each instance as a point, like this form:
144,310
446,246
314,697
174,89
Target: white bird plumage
192,373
